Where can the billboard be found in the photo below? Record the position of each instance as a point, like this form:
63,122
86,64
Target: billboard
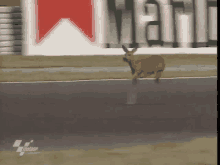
100,27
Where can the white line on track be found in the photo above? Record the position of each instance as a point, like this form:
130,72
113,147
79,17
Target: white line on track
110,80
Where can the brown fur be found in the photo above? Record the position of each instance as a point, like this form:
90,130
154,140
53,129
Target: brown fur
144,67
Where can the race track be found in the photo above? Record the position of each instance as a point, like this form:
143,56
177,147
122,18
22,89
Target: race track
95,107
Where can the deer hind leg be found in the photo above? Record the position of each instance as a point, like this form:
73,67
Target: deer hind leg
158,75
142,75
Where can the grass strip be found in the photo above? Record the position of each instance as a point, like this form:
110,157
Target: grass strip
18,76
15,61
200,151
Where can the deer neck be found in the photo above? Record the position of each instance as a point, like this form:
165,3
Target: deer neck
133,63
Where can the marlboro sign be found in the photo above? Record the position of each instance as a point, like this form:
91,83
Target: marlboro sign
101,27
50,12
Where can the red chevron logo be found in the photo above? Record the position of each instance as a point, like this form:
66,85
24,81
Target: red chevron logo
79,12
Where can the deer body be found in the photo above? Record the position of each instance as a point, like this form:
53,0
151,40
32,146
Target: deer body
144,67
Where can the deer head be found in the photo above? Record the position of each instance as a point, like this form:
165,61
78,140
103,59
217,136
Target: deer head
129,54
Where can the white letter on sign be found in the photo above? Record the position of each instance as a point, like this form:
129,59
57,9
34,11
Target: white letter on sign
141,20
167,23
119,23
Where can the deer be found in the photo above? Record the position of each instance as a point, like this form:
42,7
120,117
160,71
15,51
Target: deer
144,67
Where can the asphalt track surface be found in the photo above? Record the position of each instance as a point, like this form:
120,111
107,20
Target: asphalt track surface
84,110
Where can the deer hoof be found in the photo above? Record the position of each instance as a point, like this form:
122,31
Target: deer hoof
157,81
134,81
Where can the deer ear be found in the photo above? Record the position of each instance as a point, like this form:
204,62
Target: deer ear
124,48
135,49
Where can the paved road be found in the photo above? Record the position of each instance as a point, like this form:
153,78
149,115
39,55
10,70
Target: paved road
114,69
97,107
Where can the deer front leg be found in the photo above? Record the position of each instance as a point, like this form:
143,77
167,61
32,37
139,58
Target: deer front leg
136,74
134,78
157,77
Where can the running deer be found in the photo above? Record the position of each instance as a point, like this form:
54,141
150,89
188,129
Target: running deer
144,67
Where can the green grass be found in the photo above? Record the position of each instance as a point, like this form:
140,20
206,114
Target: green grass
200,151
18,76
93,61
97,61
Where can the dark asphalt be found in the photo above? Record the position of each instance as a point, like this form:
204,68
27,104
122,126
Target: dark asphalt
97,107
